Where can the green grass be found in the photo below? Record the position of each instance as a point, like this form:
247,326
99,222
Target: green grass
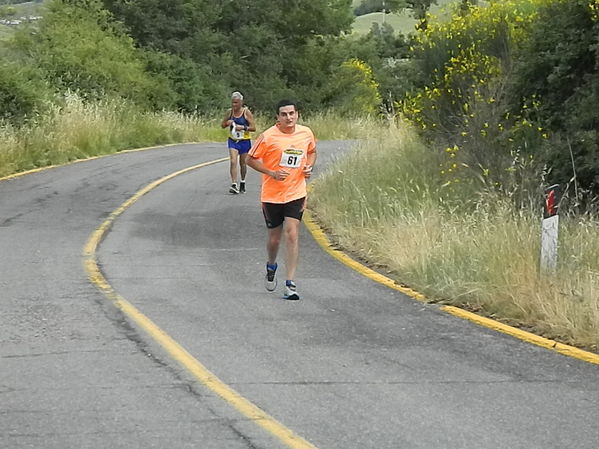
387,204
5,32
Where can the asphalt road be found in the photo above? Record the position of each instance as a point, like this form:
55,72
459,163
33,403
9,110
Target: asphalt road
353,364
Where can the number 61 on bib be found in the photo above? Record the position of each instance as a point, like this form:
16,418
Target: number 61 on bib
291,158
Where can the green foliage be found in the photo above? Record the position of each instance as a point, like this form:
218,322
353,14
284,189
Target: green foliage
23,93
249,45
16,2
355,89
558,65
194,86
463,104
420,7
182,27
293,22
80,49
395,72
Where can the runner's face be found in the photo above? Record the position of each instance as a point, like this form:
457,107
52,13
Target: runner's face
287,117
236,104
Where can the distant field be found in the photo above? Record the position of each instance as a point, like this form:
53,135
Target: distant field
402,22
25,9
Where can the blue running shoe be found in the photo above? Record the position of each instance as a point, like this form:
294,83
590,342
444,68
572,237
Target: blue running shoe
270,282
291,291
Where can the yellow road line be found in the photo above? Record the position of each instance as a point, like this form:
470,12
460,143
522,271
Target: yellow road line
174,349
553,345
323,241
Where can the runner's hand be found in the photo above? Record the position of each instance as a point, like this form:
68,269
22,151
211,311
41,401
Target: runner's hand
307,171
280,175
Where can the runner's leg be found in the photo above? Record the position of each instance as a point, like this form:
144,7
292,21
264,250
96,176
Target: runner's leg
273,242
243,168
233,156
292,226
243,165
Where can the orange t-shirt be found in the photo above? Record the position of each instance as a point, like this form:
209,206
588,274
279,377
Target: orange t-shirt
289,152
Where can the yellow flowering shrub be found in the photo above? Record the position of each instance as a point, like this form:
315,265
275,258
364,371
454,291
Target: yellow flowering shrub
356,89
464,62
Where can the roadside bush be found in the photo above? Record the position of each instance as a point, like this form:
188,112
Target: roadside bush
355,90
464,107
23,93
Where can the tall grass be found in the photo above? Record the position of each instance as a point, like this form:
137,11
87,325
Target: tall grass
77,130
329,125
387,203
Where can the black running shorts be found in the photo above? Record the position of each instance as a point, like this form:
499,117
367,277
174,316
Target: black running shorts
275,213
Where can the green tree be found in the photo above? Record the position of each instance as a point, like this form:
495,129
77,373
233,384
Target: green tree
181,27
195,88
80,49
419,9
23,92
249,45
559,67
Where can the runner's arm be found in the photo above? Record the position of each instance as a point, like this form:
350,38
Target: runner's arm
310,161
227,120
250,118
257,165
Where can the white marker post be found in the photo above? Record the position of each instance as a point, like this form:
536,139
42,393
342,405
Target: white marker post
549,235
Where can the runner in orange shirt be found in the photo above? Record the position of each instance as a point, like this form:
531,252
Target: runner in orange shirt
285,155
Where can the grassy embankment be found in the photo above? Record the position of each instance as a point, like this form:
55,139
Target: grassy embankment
79,131
385,204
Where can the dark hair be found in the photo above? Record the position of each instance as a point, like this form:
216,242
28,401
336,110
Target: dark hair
282,103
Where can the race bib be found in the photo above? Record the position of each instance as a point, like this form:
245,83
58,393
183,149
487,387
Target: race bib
291,158
236,135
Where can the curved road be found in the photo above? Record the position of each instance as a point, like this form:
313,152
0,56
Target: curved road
352,365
